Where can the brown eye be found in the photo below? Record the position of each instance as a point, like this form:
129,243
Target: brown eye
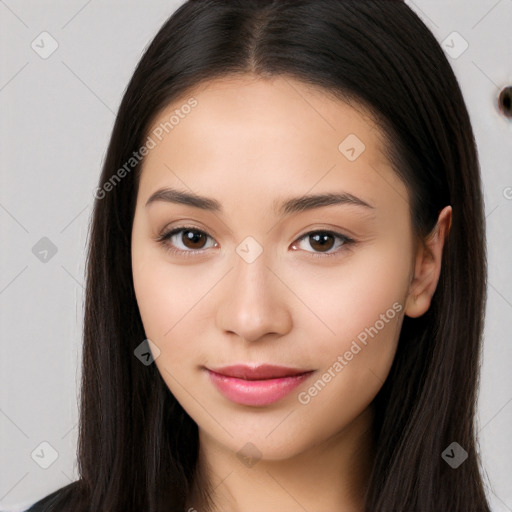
186,240
193,239
323,241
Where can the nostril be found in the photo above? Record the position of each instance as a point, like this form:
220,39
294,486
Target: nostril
505,101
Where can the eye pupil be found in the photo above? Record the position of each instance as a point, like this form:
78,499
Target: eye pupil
193,236
321,239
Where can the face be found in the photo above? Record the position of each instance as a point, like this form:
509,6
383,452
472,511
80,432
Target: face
260,275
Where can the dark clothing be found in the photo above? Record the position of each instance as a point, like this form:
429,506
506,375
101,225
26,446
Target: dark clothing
50,502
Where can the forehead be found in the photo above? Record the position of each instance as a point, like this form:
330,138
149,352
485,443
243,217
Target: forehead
247,133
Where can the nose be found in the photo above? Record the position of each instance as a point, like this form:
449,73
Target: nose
253,303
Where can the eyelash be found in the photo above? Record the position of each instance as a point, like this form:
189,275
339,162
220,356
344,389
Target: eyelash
165,237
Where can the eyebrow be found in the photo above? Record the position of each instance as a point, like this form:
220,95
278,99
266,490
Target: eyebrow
287,207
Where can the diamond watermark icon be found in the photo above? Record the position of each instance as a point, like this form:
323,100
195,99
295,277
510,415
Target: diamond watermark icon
249,455
351,147
44,455
454,455
147,352
249,249
44,45
455,45
44,249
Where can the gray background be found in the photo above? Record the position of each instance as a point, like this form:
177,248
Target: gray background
56,117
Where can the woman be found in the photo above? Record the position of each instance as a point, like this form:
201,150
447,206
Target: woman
286,271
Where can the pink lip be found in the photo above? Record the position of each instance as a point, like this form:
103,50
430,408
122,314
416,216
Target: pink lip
261,385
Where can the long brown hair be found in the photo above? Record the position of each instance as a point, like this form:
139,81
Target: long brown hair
138,448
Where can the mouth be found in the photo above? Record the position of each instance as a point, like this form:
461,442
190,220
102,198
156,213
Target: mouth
256,385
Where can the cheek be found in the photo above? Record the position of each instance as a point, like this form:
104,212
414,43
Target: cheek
359,307
364,308
173,302
164,297
154,297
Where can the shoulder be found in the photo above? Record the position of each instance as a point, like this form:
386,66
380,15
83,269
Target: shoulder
58,500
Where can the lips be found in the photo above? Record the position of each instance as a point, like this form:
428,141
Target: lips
264,371
256,386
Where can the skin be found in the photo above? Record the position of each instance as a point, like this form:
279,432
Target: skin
248,143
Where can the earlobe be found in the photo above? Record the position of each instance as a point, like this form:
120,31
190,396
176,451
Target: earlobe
427,267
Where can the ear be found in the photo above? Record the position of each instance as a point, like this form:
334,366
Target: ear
427,266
